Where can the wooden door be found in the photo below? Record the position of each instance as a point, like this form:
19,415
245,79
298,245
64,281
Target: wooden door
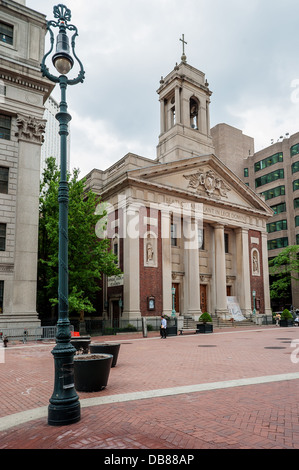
203,298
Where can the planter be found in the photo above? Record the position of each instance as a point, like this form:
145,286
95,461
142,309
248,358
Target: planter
171,331
285,323
204,328
91,371
106,348
81,344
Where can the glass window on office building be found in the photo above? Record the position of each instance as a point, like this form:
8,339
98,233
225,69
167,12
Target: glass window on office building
279,208
266,162
294,150
274,192
269,177
295,185
4,180
278,243
276,226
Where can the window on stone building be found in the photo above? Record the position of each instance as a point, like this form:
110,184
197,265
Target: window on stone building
1,295
2,237
6,33
194,113
246,172
201,239
226,243
3,180
173,235
5,127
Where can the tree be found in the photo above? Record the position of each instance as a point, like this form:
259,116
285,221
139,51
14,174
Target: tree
88,256
283,268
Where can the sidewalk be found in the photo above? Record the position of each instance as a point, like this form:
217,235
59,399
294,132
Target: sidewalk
232,389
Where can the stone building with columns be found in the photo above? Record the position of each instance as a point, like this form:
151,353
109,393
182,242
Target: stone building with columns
183,220
23,92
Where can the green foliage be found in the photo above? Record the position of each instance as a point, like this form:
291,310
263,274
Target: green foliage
205,317
286,315
88,256
287,261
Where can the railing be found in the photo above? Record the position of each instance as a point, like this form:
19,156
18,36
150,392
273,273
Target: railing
30,334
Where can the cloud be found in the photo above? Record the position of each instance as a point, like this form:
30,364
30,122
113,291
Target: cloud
248,51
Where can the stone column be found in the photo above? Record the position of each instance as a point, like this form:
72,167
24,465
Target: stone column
131,263
23,303
267,302
220,272
177,105
166,263
243,271
162,117
192,281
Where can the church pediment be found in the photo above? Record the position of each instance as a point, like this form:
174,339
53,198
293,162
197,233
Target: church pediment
204,177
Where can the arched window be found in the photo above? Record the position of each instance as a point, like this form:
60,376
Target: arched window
194,107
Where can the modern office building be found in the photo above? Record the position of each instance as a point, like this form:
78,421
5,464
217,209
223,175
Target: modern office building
273,173
51,144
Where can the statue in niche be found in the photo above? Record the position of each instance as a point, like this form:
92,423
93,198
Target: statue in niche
255,263
149,252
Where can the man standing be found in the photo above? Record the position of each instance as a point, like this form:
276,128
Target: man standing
163,327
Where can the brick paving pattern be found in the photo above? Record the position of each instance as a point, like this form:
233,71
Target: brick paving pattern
255,416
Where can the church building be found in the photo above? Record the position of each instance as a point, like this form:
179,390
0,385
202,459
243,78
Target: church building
188,233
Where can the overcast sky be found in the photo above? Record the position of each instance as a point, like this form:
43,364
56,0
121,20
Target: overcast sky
249,51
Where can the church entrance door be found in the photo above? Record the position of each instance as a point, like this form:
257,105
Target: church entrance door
203,298
115,314
176,297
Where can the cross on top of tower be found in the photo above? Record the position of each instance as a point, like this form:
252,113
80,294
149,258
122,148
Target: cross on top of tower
183,58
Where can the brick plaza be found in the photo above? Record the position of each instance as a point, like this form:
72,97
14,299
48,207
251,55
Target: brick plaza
234,389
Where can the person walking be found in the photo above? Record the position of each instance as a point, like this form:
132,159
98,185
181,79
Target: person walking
163,327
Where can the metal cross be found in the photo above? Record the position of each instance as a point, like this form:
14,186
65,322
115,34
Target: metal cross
184,42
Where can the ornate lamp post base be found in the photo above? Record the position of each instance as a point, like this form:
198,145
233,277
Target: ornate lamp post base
64,407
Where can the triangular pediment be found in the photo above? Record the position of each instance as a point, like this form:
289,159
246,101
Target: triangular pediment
204,177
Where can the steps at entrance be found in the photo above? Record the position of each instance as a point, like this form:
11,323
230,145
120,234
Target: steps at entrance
190,324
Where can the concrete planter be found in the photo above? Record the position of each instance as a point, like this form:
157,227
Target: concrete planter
106,348
91,371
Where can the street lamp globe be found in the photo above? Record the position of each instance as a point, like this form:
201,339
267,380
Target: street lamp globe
62,60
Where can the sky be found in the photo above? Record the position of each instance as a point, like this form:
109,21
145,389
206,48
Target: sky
248,50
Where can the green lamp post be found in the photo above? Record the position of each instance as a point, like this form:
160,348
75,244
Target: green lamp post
253,295
173,302
64,407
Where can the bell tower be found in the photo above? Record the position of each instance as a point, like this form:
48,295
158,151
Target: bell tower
184,97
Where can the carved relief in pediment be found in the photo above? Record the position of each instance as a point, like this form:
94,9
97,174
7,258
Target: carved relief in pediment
207,181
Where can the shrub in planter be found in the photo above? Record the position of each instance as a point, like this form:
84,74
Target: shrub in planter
286,318
91,371
206,325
